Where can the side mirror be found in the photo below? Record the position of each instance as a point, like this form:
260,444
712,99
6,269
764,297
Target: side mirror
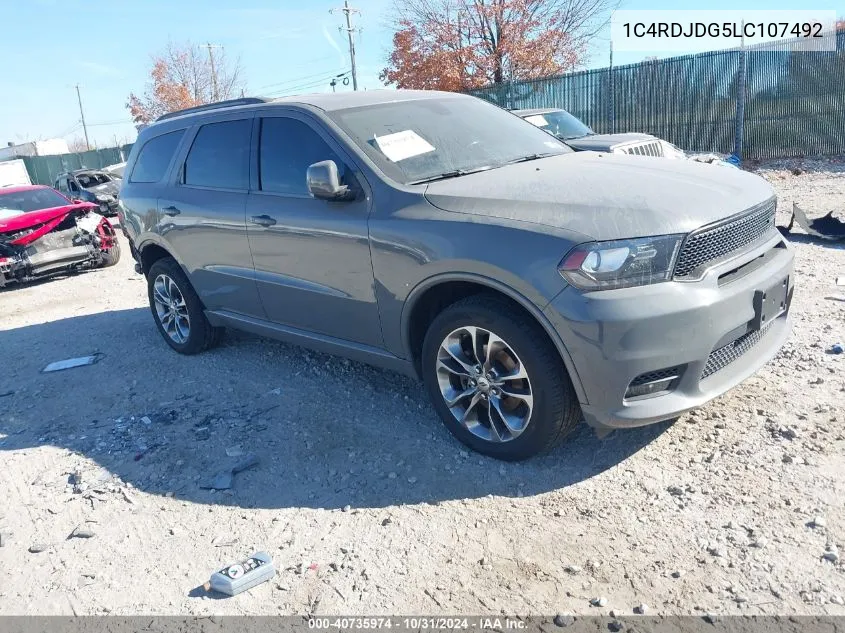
76,201
324,182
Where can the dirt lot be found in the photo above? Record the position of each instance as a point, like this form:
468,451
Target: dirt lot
367,504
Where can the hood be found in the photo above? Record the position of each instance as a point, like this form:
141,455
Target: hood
42,216
606,142
605,196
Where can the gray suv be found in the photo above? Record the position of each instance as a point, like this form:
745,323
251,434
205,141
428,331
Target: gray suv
528,285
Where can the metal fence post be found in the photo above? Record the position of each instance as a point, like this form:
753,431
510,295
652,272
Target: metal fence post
739,129
611,109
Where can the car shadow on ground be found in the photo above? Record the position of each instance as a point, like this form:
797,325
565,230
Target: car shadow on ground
327,432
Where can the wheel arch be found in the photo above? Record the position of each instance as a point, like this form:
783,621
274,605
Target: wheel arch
432,295
150,251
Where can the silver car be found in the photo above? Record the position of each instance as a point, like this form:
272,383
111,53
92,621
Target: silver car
529,286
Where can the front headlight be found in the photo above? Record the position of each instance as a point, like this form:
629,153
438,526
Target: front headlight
621,263
99,198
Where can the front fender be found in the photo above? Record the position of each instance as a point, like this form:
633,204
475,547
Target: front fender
534,308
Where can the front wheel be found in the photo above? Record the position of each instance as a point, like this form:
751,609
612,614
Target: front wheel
496,380
111,256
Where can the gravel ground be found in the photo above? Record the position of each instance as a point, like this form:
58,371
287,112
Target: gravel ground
367,504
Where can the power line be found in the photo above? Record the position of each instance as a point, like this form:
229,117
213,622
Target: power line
350,32
311,84
324,76
115,122
300,66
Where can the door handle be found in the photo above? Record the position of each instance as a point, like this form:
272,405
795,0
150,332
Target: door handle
171,210
262,220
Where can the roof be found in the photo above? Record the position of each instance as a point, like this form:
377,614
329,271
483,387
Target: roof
327,101
339,100
532,112
16,188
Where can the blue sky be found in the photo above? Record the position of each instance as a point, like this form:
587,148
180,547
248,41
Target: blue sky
283,45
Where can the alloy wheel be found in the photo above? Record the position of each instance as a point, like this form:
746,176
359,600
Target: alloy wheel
171,309
484,384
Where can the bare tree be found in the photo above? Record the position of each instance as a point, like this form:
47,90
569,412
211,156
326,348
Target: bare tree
186,75
77,144
461,44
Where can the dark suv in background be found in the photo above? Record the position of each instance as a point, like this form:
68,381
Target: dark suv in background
91,185
439,235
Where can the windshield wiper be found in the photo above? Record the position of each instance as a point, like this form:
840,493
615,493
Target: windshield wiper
525,159
455,173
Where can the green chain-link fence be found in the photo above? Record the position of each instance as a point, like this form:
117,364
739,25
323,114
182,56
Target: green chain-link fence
43,170
794,102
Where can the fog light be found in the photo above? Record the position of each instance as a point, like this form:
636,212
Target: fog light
654,382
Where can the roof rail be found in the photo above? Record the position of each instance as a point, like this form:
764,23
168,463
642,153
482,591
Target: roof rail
213,106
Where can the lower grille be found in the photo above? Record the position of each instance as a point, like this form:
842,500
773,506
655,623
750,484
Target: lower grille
650,148
724,356
714,242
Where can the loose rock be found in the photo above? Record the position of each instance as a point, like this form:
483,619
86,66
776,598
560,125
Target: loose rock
601,601
641,608
564,620
37,548
81,532
818,522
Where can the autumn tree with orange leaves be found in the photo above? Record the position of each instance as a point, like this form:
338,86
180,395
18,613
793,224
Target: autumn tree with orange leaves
464,44
182,77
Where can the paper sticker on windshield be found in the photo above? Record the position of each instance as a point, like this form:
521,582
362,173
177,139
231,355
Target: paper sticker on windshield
537,119
402,145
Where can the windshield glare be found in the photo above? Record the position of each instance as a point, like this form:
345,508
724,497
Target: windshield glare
560,123
32,200
92,180
422,138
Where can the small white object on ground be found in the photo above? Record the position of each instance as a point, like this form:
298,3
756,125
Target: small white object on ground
70,363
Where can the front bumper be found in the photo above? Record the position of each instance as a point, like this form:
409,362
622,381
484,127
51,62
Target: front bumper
617,336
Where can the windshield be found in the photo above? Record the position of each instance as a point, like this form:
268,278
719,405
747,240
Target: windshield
423,139
560,123
31,200
92,180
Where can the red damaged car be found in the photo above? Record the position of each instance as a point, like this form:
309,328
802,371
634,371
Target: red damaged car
43,233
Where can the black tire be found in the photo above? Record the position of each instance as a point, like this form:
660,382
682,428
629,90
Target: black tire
111,256
556,411
201,334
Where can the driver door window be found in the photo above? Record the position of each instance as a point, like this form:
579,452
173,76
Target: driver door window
287,148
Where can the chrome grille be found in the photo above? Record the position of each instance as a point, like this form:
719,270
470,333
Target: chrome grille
649,148
724,356
709,244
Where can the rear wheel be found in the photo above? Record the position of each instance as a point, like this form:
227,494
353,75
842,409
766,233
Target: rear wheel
177,310
496,380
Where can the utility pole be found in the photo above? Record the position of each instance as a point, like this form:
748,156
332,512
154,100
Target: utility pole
82,116
350,32
214,94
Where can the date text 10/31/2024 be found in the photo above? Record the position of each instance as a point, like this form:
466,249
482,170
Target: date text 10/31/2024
416,623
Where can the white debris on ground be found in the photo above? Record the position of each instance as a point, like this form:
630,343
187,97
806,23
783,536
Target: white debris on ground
366,503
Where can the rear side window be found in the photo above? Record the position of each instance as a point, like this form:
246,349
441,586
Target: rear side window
155,156
219,156
288,147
